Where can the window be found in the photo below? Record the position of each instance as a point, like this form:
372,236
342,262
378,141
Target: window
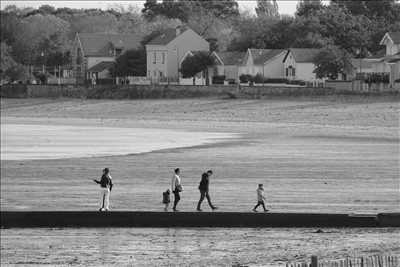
161,74
293,72
163,58
154,58
287,72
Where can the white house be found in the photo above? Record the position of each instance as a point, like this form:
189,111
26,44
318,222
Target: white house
227,64
266,62
390,63
299,64
165,51
94,53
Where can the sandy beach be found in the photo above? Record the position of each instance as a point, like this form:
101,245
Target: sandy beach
312,155
328,154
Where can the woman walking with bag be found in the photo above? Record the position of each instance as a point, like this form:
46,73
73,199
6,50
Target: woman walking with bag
176,187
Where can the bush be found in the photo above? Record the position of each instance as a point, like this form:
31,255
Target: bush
276,80
245,78
218,79
258,78
231,81
297,82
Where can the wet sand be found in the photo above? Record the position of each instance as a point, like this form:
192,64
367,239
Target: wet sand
313,155
36,142
317,164
190,247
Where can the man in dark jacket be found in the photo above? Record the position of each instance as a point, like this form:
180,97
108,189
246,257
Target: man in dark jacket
203,187
106,187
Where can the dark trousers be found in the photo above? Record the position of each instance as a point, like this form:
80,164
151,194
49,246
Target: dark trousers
260,203
177,197
204,194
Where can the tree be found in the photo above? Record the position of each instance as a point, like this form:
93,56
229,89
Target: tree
308,7
130,63
266,8
387,9
9,69
9,25
331,62
182,9
196,63
220,9
167,8
40,34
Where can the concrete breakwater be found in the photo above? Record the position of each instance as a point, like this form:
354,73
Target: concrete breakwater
22,219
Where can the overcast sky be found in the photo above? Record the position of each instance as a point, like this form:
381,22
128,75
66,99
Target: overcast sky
285,7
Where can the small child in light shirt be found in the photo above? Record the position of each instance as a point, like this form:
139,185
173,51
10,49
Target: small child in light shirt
260,198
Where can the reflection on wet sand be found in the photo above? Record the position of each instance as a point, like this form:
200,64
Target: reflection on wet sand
194,246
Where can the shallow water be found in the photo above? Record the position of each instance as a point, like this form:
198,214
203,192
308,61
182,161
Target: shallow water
32,142
191,246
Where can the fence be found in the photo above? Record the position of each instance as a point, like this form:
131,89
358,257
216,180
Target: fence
369,261
360,86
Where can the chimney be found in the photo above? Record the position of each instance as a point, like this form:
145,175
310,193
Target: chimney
178,30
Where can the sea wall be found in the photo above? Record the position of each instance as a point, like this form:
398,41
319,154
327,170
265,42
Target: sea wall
21,219
172,91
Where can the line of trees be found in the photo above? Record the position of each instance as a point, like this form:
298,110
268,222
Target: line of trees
45,35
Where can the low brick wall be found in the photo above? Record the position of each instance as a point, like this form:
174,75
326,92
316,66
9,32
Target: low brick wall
14,91
168,91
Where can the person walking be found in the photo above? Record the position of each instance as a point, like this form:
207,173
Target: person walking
106,185
204,190
166,199
176,187
260,198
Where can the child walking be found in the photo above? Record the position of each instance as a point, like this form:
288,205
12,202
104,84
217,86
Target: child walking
166,199
260,198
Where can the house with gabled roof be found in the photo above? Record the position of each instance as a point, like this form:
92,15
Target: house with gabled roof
265,62
227,64
390,62
93,53
165,52
299,64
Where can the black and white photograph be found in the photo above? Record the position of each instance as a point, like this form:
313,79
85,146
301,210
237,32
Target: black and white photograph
200,133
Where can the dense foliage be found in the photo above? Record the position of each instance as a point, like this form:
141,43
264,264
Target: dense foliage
130,63
196,63
45,35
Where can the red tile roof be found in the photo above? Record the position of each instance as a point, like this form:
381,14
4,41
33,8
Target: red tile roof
99,67
99,44
304,55
260,56
365,63
231,58
166,36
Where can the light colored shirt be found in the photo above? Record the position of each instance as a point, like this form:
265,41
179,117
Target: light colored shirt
260,194
176,180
